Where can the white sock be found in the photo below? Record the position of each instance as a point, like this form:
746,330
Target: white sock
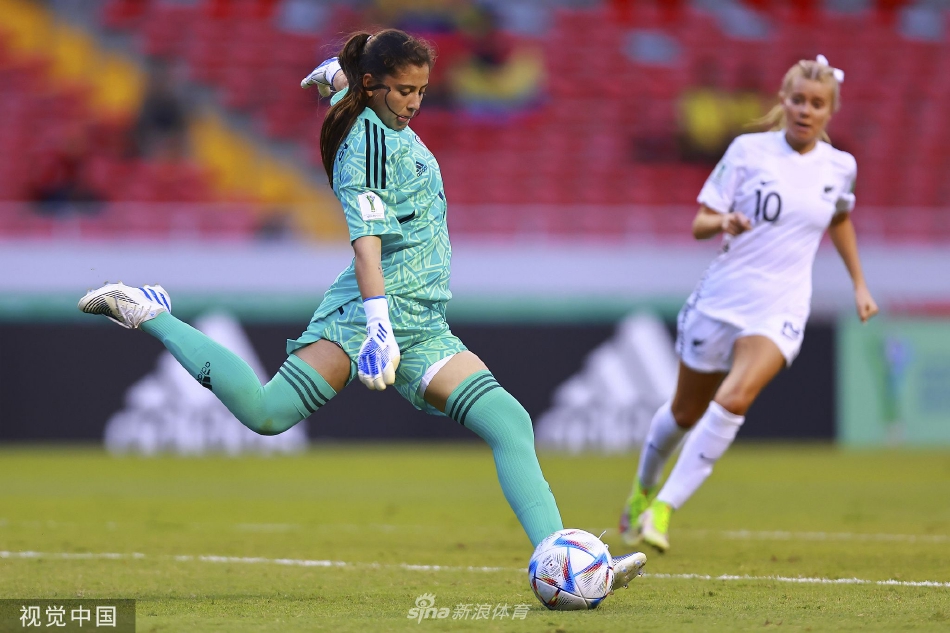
706,444
662,439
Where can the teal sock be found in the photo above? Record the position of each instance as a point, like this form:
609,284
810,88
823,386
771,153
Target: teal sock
480,404
293,394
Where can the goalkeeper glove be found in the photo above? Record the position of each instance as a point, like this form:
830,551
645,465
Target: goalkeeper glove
379,355
322,76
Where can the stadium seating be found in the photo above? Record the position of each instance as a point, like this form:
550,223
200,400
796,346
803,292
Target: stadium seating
576,149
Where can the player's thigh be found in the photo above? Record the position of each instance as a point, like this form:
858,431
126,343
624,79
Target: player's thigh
427,346
694,392
331,344
329,360
450,376
756,361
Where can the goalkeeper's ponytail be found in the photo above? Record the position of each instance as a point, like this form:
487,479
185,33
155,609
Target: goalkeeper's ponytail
340,117
379,55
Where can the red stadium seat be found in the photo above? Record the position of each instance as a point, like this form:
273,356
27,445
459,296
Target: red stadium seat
578,149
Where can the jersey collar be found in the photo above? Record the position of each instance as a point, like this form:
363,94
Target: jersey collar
789,151
370,114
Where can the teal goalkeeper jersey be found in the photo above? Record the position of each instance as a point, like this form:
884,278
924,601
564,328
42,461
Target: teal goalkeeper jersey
390,185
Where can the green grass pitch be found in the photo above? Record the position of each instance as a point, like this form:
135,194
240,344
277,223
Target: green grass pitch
234,544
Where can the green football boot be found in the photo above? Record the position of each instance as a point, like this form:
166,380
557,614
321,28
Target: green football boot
655,525
637,503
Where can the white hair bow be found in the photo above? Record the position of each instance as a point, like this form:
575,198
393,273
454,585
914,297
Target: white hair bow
837,72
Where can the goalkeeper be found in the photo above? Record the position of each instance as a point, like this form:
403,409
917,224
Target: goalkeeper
383,319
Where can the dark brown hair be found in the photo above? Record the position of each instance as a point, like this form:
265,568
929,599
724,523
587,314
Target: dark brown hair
384,53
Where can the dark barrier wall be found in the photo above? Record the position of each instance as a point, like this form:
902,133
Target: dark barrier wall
63,381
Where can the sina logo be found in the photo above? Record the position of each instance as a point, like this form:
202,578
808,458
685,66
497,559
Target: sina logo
425,608
204,376
421,168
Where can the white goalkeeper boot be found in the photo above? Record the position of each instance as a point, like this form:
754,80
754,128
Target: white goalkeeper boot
128,306
628,567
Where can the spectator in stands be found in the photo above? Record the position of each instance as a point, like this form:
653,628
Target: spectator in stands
705,117
62,182
747,102
436,20
497,75
302,16
161,130
711,116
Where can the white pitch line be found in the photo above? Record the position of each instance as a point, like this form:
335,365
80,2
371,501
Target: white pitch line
781,535
249,560
72,555
294,562
807,581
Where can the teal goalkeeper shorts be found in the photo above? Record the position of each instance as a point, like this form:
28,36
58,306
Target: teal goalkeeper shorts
423,336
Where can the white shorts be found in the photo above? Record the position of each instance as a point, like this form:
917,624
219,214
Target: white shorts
705,344
431,372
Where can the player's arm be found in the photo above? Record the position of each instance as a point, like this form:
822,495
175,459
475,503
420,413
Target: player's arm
369,268
709,223
719,192
846,242
339,81
379,354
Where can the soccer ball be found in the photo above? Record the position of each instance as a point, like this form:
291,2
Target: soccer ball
571,570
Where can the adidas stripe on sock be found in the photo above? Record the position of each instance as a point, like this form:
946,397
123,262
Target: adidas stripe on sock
465,395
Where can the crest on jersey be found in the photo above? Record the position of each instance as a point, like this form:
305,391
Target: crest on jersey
790,331
419,141
371,206
719,173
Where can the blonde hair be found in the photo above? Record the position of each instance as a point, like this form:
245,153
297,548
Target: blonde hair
774,120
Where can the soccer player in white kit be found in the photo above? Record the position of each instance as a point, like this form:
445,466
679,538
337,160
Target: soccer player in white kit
772,197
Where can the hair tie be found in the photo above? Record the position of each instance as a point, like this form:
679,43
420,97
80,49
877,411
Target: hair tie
837,72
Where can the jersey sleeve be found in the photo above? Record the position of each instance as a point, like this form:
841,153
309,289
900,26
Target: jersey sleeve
845,202
364,185
719,192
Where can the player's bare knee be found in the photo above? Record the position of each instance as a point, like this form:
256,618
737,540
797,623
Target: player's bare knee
735,399
687,414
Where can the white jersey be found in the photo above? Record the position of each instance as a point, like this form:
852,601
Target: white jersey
790,199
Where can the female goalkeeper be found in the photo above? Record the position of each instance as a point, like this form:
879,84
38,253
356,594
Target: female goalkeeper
383,319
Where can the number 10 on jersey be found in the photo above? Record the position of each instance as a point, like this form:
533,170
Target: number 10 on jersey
769,207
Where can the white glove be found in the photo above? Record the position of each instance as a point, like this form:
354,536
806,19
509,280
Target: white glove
322,76
379,355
